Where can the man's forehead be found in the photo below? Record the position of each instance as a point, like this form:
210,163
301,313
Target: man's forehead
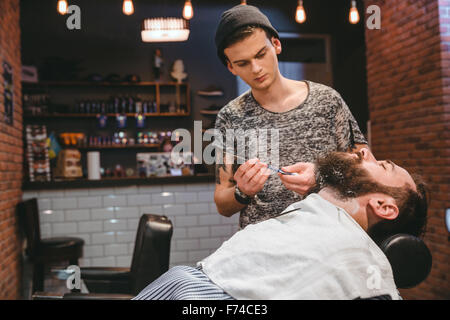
407,177
252,44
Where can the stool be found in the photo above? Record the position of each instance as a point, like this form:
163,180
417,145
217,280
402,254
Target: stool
45,251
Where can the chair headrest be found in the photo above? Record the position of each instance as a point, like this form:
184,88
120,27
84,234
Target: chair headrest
409,257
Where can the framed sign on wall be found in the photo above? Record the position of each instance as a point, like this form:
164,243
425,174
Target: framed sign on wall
8,92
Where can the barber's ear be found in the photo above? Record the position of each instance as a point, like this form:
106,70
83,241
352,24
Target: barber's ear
384,207
276,44
230,67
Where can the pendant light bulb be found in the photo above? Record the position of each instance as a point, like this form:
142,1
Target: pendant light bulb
300,14
62,6
188,11
354,14
128,7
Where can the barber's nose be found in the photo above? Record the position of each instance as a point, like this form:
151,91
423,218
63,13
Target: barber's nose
367,155
256,68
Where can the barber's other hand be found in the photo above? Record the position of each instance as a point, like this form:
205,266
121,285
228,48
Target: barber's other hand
303,181
251,176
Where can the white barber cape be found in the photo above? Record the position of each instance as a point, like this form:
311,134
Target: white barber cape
316,252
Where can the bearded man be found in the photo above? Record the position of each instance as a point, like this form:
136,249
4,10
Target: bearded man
319,248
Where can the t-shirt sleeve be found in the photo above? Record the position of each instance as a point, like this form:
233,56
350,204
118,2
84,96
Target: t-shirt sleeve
347,129
224,151
221,126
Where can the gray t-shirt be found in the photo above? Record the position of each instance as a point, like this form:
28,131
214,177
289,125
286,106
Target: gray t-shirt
322,123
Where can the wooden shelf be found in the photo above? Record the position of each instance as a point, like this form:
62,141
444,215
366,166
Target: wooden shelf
181,93
118,146
209,112
100,84
94,115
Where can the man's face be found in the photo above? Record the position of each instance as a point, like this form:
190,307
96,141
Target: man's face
354,175
385,171
254,59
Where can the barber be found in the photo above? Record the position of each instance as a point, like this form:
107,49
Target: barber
312,119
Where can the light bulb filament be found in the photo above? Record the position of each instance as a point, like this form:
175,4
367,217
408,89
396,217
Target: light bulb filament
300,14
354,14
188,11
128,7
62,6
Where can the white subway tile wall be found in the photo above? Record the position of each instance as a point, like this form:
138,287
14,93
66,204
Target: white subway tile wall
107,220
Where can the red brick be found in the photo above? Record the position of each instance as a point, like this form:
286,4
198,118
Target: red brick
408,76
10,156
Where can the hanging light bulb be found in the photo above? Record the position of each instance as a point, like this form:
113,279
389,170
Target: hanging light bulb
62,6
188,11
354,14
244,2
300,14
128,7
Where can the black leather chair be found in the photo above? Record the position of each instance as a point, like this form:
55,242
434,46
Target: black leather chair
150,260
409,257
43,252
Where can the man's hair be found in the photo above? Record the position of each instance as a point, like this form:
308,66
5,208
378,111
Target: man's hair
412,217
239,35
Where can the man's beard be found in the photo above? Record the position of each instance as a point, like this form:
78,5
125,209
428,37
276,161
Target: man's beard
344,174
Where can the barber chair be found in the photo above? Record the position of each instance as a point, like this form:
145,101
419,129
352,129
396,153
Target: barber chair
408,255
150,260
43,252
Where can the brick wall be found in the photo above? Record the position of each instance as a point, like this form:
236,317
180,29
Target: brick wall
408,80
10,154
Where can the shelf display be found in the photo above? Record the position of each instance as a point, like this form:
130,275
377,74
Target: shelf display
161,164
37,153
69,164
104,117
157,99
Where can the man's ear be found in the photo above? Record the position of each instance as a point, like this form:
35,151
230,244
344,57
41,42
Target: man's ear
276,44
230,67
384,206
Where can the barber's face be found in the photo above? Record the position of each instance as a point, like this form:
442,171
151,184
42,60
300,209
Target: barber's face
254,59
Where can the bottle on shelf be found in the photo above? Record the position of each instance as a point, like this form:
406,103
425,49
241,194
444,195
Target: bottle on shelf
138,105
131,104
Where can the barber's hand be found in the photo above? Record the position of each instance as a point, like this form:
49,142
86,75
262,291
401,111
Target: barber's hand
251,176
303,181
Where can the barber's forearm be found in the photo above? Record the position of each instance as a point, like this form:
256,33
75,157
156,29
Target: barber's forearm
226,203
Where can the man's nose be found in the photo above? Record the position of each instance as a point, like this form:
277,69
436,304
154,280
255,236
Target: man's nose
256,68
367,155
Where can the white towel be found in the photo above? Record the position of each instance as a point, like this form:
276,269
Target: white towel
316,252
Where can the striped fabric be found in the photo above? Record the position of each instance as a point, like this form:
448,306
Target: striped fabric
183,283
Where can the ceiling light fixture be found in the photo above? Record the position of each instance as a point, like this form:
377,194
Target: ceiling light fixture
300,14
165,30
188,11
353,16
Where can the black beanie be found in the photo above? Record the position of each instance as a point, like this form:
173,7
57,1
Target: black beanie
237,17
